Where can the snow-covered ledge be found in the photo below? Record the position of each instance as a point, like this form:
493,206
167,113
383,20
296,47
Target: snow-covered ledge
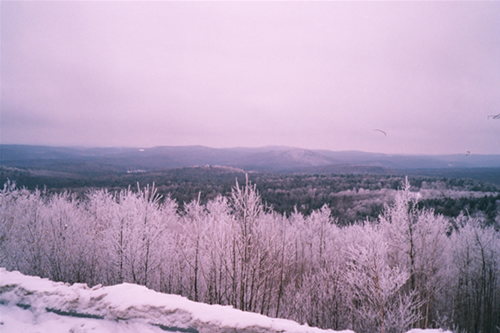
54,306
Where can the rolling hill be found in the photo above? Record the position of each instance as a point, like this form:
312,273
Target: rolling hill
265,159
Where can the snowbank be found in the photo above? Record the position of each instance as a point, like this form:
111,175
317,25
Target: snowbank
33,304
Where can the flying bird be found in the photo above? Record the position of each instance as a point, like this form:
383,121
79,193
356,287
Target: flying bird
380,131
495,116
468,153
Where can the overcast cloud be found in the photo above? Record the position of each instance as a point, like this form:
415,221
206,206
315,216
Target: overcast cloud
224,74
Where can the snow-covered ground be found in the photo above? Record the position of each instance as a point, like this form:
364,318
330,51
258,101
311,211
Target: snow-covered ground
32,304
36,305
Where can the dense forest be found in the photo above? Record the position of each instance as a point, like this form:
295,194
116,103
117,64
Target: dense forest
350,197
409,267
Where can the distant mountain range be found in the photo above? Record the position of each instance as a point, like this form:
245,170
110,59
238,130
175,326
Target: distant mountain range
264,159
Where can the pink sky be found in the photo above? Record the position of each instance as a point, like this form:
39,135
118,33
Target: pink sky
224,74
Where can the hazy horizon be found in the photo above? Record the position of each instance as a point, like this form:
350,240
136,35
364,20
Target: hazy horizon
381,77
264,148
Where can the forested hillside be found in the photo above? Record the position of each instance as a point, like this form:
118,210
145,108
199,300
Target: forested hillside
408,268
350,197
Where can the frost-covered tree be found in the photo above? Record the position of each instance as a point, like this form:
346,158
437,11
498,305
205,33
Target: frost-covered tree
417,241
66,246
101,216
476,276
194,227
378,299
22,243
408,269
247,210
218,245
